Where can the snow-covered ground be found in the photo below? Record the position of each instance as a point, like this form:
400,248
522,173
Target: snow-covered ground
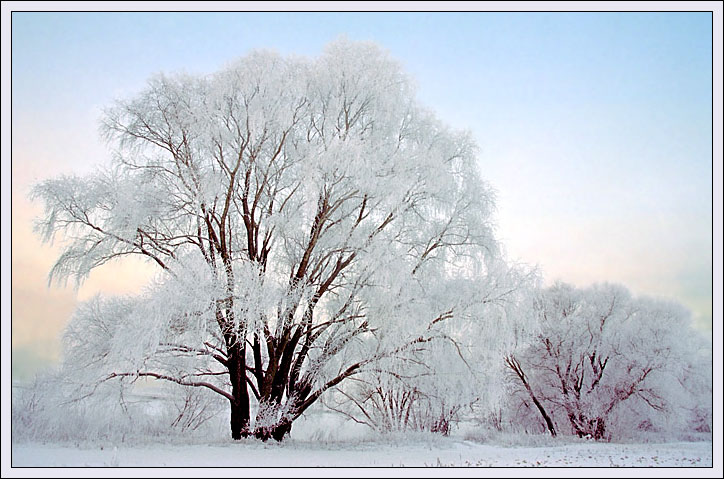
291,453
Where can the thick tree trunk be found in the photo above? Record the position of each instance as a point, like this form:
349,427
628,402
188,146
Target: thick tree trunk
239,420
277,431
282,429
240,402
270,423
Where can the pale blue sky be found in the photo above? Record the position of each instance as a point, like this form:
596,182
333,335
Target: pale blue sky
595,128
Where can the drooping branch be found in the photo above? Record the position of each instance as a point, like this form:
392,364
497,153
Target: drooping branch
182,382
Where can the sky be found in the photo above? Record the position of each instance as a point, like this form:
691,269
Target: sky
595,129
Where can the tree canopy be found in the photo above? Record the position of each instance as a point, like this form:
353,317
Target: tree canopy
308,219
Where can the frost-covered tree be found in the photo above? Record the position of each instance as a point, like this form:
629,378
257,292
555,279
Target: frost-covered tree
308,220
589,357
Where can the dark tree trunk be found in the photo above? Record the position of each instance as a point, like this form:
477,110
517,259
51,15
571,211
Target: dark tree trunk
541,409
239,420
515,365
282,429
240,402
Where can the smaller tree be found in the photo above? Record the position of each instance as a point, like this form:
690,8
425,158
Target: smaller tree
592,354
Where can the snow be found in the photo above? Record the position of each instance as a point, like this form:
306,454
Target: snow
380,453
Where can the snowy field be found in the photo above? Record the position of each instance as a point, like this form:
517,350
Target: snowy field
433,453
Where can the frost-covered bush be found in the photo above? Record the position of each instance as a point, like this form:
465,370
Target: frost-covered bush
395,403
54,408
458,377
